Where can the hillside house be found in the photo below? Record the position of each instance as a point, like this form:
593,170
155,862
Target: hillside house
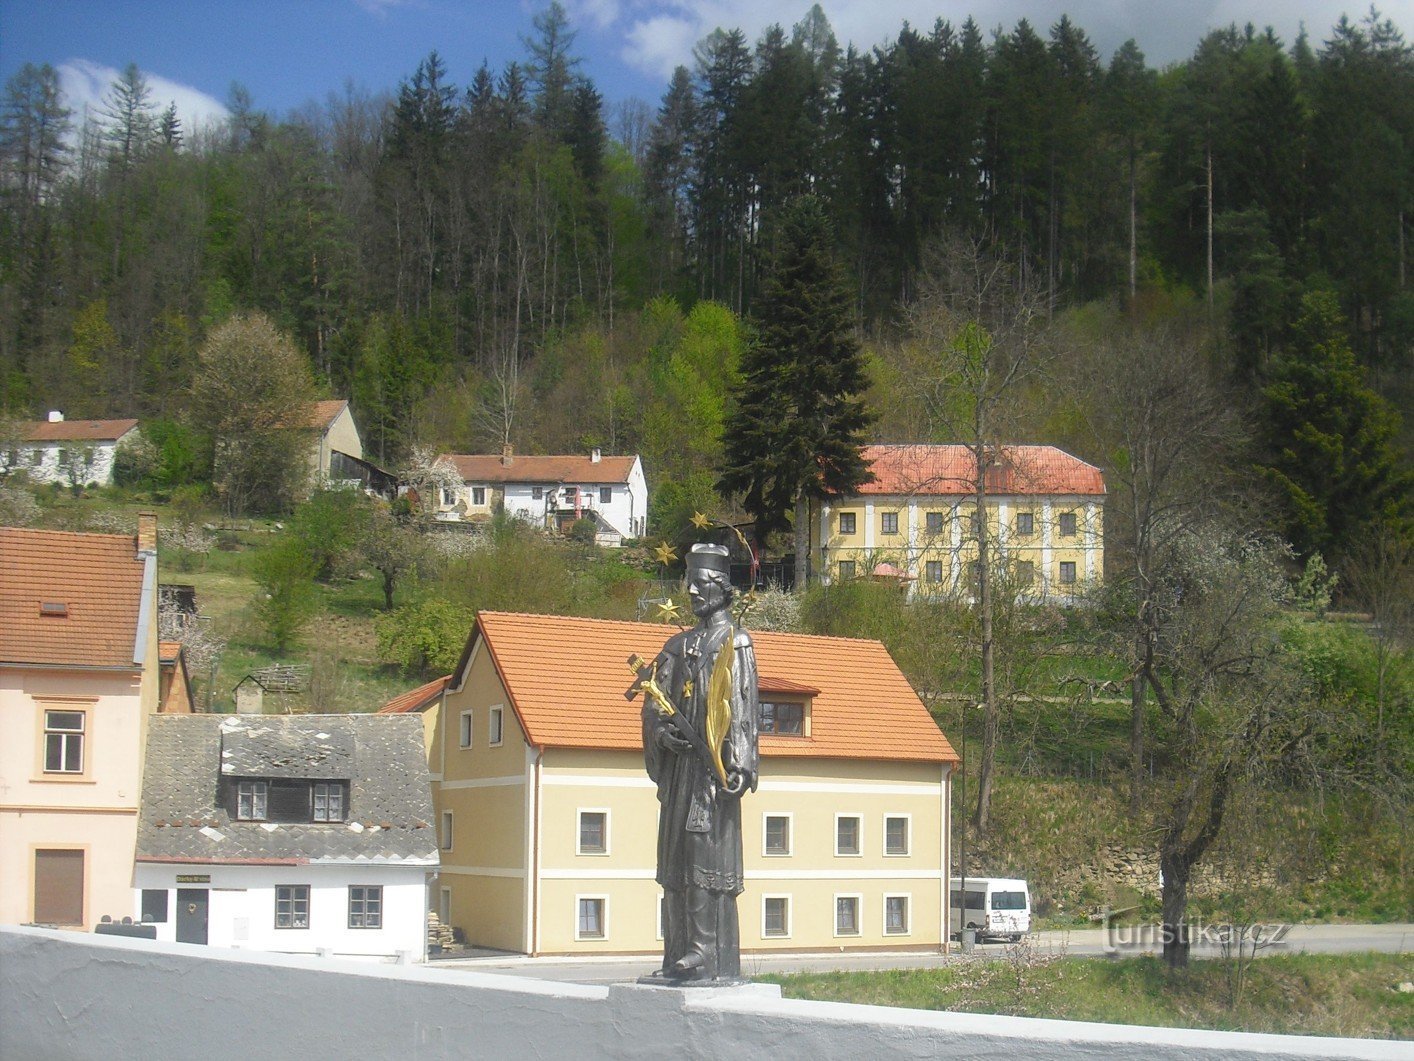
302,834
334,433
69,452
547,820
80,677
917,521
551,492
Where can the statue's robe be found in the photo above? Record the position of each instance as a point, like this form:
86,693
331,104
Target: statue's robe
699,827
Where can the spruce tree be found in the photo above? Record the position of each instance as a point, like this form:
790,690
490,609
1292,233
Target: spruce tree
800,420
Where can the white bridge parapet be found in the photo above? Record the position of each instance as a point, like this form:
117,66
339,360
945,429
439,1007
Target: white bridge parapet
65,995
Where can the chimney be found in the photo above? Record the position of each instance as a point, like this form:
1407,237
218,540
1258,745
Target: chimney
147,534
507,454
55,416
595,456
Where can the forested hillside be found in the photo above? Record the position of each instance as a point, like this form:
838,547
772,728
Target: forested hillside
494,256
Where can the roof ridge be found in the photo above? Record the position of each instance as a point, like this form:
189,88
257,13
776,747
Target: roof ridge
664,626
84,535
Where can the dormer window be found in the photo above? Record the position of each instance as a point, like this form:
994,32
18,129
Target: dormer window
252,801
783,717
287,800
328,801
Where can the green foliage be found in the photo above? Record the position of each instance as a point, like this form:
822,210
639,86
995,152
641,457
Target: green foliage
584,531
327,527
285,572
425,637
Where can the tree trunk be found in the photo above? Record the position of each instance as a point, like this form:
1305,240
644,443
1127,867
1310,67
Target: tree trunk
1136,744
389,584
1133,226
1209,160
990,710
1176,871
802,539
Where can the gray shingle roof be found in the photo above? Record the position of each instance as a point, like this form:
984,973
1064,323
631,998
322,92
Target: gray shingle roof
381,756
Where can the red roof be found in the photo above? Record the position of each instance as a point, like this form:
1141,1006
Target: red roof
323,413
76,430
566,679
416,699
489,468
917,469
92,586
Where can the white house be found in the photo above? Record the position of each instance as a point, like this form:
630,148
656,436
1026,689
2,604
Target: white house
334,432
552,492
302,834
71,452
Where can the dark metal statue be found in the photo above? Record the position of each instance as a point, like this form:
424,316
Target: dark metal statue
700,718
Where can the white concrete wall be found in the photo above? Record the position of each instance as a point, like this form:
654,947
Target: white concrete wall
66,996
40,460
241,911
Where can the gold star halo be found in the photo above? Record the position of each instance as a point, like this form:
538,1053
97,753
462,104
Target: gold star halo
668,612
700,521
665,554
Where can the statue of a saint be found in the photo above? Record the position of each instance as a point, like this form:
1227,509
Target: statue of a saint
699,745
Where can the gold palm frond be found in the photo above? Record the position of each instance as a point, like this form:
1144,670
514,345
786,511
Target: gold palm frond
719,703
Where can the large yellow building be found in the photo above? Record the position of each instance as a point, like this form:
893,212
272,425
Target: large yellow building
548,823
917,520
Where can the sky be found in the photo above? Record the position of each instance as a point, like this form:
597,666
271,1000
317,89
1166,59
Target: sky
289,53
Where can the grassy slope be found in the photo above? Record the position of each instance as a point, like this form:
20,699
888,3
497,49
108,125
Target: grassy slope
1347,995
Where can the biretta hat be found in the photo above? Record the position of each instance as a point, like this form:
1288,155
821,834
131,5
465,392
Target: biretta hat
709,557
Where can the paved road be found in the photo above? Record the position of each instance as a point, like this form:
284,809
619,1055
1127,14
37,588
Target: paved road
1313,939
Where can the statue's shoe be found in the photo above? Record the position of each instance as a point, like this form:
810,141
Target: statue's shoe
688,967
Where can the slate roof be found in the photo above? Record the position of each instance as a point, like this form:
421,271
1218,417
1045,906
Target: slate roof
925,470
389,803
491,468
566,678
98,577
76,430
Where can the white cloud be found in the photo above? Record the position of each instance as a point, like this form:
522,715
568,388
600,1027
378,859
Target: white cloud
380,8
85,83
660,34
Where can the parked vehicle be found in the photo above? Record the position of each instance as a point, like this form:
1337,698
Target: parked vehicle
994,907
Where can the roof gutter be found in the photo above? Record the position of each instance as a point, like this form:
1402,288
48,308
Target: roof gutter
144,611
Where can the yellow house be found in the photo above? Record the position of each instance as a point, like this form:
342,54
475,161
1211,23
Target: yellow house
79,676
918,520
548,823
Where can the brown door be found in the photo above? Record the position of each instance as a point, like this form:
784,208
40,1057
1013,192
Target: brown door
58,887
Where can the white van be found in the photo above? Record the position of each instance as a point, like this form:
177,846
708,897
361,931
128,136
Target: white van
994,906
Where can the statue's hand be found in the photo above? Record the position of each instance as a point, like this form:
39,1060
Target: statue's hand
737,783
670,741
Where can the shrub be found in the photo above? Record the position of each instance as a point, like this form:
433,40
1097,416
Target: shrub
285,574
584,530
425,637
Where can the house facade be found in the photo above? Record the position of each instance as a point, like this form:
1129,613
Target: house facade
551,492
334,432
79,681
547,821
302,834
1044,512
69,452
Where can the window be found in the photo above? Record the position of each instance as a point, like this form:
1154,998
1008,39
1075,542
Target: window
776,835
591,923
933,522
365,906
888,522
896,829
593,832
975,900
449,496
154,906
292,906
478,495
606,495
847,830
1067,524
775,916
58,887
933,571
537,493
896,915
846,570
63,742
1025,572
1008,900
252,801
846,915
1025,524
496,725
847,522
464,737
328,801
446,830
1067,572
787,719
63,457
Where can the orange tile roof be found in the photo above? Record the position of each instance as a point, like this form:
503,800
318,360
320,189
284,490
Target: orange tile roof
97,576
489,468
322,413
566,679
416,698
948,470
76,430
168,651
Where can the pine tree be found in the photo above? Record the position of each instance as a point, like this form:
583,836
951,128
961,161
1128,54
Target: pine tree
1330,439
798,428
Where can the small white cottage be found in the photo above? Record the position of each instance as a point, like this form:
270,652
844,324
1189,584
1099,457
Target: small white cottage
70,452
